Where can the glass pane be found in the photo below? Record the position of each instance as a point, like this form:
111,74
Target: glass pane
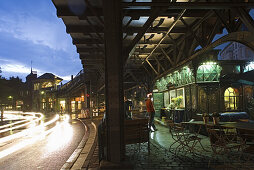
166,99
172,94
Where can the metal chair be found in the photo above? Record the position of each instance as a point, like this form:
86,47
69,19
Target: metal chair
226,145
186,142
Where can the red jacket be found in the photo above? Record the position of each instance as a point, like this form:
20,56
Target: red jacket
149,105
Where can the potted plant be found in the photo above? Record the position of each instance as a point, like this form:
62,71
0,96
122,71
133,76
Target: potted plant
216,117
205,117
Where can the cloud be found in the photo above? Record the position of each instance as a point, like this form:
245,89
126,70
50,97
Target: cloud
23,26
11,66
67,78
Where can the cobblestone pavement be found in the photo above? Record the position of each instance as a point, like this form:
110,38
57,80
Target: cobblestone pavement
94,163
163,158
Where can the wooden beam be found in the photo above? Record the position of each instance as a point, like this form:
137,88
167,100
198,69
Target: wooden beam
193,33
223,20
165,54
89,50
191,5
64,11
155,57
246,19
86,41
152,67
169,30
128,30
147,24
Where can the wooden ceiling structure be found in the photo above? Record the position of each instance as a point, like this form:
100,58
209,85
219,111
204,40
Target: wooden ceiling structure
158,35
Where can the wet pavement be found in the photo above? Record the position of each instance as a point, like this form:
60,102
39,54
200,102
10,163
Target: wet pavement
43,151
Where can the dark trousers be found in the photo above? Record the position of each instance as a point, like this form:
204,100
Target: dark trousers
151,121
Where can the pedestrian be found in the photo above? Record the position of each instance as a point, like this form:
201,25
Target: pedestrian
127,108
61,110
151,112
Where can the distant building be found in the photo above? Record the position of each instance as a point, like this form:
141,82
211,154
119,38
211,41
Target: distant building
237,51
43,95
28,91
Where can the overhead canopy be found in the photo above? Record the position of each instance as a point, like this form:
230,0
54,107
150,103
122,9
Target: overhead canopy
157,34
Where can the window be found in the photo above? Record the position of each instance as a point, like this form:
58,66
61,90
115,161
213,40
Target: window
166,99
231,99
50,103
249,67
208,72
79,105
43,104
47,84
180,95
36,86
72,106
177,97
172,94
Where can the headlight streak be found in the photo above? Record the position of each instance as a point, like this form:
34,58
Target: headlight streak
19,126
27,142
29,131
11,124
61,136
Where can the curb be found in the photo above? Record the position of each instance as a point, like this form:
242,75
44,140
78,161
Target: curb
85,148
87,151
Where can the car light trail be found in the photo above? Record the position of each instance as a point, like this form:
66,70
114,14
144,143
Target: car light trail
25,124
29,131
32,139
11,124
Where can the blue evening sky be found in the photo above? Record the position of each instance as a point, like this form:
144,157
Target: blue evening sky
31,31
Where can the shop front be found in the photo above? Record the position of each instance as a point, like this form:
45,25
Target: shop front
204,85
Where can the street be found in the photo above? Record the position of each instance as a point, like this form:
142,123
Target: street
43,148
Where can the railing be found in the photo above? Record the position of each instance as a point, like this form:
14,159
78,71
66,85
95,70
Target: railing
75,82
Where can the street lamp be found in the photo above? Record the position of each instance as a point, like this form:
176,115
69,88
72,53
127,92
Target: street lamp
11,98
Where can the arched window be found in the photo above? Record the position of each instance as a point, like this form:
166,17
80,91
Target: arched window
208,72
231,99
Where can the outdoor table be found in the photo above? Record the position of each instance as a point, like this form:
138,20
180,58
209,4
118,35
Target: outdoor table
239,125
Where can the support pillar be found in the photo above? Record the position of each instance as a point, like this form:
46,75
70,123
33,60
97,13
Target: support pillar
114,80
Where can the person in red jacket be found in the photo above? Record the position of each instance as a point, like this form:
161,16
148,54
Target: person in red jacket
151,112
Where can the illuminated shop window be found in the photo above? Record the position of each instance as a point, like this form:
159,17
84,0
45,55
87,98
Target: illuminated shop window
43,104
79,105
50,103
172,94
249,67
177,98
47,84
231,99
180,97
208,72
72,106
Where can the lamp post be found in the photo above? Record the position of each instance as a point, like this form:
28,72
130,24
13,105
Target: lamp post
11,98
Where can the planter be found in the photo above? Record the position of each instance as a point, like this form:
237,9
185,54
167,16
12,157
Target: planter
206,119
216,120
